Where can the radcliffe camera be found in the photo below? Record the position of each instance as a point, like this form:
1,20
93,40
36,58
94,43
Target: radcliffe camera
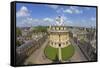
54,33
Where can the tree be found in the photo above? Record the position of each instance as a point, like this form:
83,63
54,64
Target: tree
41,28
18,32
18,43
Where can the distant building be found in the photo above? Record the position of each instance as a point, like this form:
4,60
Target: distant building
88,44
83,35
26,49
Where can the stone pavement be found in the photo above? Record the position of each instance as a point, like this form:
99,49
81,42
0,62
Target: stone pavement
38,57
78,55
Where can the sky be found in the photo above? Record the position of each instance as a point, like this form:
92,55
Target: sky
28,14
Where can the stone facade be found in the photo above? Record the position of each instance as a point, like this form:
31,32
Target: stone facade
58,36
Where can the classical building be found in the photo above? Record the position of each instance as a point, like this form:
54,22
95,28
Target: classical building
59,36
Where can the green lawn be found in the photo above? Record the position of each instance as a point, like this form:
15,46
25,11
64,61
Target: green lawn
67,52
52,53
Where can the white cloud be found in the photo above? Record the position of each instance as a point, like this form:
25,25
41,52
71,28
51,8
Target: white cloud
48,19
72,10
53,6
28,21
68,11
93,19
23,12
67,21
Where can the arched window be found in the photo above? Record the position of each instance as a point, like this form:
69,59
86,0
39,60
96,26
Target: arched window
59,28
52,43
55,43
66,42
59,45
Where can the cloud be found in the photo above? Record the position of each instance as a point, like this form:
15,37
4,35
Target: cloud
48,19
53,6
68,11
72,10
24,17
93,19
23,12
24,22
67,21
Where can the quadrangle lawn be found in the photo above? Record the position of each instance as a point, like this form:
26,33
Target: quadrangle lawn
52,53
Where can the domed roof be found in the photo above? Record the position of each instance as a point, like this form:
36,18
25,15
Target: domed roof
59,21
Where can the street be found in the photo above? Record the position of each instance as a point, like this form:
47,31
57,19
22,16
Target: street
38,57
78,55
